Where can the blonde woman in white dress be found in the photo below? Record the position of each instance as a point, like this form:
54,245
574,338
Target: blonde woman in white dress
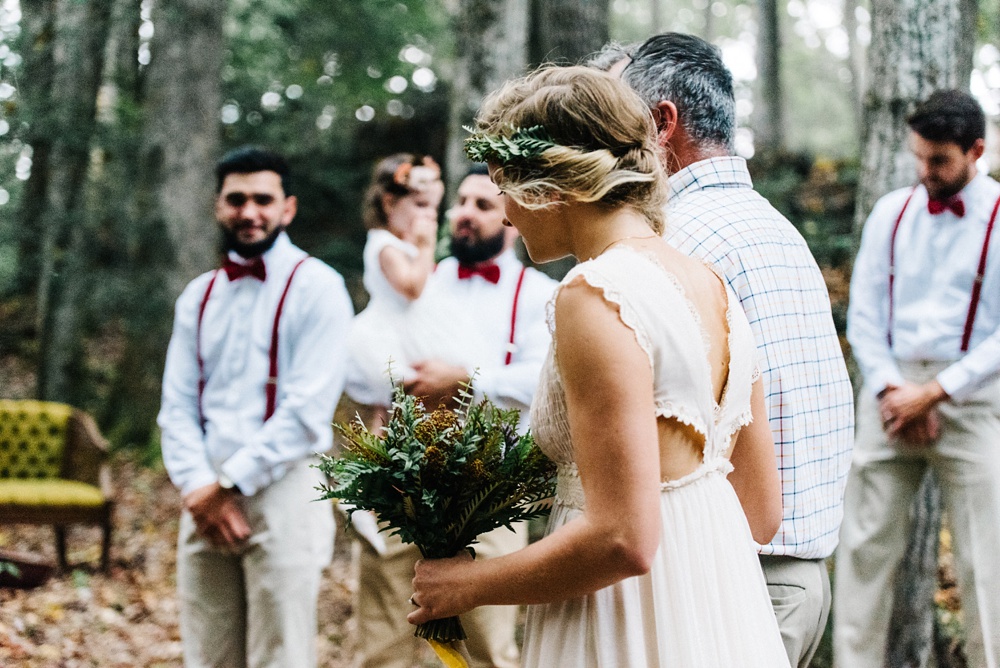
649,402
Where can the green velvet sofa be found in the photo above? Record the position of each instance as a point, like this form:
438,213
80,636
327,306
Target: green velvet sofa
53,470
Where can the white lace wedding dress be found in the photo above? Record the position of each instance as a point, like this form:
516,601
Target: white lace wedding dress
704,604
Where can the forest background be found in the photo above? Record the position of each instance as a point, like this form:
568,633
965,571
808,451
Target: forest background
113,113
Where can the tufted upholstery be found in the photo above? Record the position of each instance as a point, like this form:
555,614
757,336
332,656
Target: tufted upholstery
32,439
52,469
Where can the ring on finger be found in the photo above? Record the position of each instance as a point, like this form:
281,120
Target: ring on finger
412,602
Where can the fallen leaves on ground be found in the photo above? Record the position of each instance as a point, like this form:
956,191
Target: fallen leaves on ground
128,618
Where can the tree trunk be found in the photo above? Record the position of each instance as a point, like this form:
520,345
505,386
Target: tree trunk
38,36
769,134
917,47
181,140
911,629
655,16
492,47
173,235
855,59
708,34
564,31
79,31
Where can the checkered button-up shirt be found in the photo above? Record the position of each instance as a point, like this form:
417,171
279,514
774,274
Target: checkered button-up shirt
714,214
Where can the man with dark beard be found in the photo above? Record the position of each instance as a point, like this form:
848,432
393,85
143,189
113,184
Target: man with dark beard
254,369
480,319
924,325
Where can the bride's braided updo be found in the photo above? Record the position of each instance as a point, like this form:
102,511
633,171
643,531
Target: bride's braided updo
602,144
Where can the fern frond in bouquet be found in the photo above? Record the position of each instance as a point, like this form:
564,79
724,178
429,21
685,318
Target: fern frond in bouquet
439,479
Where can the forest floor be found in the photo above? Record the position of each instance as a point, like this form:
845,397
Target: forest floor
128,618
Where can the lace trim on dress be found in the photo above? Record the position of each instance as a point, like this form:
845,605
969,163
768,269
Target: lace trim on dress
668,409
714,465
706,342
744,418
569,489
626,313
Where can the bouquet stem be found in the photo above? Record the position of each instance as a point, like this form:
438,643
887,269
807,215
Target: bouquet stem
451,654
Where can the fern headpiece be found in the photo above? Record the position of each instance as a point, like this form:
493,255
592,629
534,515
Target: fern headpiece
517,144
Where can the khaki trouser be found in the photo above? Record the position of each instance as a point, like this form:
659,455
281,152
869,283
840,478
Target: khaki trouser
800,596
385,638
257,608
881,487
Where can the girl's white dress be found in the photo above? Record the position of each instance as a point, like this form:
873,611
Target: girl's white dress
704,604
376,333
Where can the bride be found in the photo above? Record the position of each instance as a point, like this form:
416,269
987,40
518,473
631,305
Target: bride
649,403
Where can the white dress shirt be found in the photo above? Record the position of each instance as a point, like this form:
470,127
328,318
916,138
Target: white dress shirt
235,343
936,261
714,214
467,322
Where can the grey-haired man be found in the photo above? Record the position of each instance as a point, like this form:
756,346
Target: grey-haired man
714,214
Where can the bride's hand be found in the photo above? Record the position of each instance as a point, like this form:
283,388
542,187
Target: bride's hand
439,588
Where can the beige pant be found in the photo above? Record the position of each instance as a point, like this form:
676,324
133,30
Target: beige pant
385,638
882,484
257,608
800,596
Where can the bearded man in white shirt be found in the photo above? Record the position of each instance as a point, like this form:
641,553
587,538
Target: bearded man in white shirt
924,325
714,214
254,369
480,319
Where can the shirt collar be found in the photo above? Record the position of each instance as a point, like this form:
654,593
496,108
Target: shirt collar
721,172
507,260
976,191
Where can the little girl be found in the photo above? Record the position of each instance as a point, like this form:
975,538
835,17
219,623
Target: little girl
400,212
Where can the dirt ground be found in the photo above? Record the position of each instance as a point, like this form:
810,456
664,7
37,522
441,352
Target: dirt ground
129,617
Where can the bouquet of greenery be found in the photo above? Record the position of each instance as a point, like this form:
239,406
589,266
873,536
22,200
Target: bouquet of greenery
441,478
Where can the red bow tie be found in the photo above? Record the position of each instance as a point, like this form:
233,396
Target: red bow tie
235,271
953,203
490,271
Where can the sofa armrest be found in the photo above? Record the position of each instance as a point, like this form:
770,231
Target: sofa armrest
86,452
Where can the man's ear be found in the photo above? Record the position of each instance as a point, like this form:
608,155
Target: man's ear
291,208
977,149
665,117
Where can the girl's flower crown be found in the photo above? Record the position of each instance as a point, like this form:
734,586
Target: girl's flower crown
417,179
517,144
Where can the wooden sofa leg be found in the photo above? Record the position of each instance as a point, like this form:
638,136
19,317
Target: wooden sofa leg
61,547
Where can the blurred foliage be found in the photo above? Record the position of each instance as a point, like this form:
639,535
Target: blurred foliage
817,195
335,86
299,78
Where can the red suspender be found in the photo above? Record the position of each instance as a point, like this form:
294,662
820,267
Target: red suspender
271,386
197,345
892,260
977,283
513,317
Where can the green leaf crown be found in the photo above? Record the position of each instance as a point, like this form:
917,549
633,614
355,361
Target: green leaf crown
517,144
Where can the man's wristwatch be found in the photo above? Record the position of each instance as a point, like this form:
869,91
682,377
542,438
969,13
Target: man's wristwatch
225,482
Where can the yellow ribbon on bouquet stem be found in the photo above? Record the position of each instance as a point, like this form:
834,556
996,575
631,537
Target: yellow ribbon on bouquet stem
449,653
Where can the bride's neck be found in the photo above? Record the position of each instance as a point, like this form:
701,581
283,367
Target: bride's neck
595,229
